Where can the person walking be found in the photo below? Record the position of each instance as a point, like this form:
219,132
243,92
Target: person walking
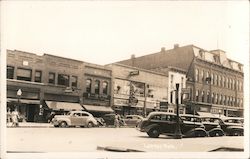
15,117
117,122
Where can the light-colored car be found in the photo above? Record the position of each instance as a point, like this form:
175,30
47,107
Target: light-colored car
132,120
75,118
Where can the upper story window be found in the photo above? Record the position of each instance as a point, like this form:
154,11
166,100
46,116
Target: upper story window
105,87
233,84
182,82
202,96
237,85
172,81
88,85
10,72
215,80
212,78
196,75
38,76
226,83
223,81
73,81
208,97
197,95
97,87
230,83
24,74
52,78
63,80
219,80
202,75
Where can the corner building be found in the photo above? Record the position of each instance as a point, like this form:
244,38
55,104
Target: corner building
214,82
49,83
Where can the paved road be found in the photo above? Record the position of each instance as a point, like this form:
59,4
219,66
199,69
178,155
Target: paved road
88,139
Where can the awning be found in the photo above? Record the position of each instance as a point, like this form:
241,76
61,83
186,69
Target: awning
26,101
205,114
63,105
95,108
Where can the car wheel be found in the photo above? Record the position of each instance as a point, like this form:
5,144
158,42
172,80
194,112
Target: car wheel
200,134
56,126
90,125
216,133
237,133
63,124
154,133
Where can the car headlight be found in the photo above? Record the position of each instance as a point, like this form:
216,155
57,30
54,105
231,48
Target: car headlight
218,126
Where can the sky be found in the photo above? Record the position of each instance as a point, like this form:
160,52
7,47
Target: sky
105,32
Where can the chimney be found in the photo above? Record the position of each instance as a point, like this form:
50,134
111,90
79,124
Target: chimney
163,49
176,46
133,59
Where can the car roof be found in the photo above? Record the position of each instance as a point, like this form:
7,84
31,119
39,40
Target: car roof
165,113
79,111
189,115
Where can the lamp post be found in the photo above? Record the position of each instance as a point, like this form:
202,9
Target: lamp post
177,134
18,93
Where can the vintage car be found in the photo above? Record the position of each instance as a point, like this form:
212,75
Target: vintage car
233,126
158,123
75,118
132,120
212,125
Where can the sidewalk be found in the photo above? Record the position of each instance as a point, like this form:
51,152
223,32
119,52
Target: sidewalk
31,125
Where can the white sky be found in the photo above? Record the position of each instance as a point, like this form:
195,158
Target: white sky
105,32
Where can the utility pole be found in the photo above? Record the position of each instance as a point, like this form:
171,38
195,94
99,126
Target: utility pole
177,134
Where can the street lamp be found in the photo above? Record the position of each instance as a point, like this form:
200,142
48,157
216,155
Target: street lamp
177,134
18,93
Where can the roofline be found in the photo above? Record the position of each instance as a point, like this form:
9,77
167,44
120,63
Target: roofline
140,69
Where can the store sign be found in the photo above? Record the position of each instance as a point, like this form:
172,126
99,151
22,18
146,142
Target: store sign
121,102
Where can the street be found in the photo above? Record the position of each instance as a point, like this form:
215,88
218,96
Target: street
89,139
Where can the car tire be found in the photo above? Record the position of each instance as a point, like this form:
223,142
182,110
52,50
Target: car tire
154,133
216,133
200,134
63,124
90,124
56,126
237,133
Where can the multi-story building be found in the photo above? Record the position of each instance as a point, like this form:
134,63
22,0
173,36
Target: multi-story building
138,91
215,83
37,85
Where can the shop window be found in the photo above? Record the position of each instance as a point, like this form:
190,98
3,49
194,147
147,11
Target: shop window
52,78
105,87
97,87
10,72
63,80
73,81
24,74
38,76
88,85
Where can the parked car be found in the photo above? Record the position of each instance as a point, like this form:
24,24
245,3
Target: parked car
233,126
158,123
75,118
109,120
132,120
212,125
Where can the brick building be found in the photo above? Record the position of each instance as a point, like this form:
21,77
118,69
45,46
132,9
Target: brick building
51,83
215,83
138,91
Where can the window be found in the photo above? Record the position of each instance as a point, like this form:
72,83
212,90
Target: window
237,85
202,96
88,85
105,87
52,78
182,82
207,76
97,87
229,83
225,100
208,97
197,95
233,84
226,83
215,80
221,99
202,75
216,98
213,98
10,72
223,81
23,74
38,76
171,97
171,81
73,81
63,80
219,80
196,75
212,78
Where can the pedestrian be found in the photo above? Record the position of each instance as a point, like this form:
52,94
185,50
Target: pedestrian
51,116
117,122
15,117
